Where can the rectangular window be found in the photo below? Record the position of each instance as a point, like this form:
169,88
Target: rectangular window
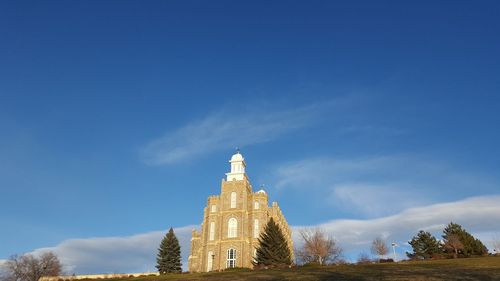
213,209
256,229
212,231
210,260
232,228
231,258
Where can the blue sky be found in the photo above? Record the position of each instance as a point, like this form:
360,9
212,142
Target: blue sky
117,118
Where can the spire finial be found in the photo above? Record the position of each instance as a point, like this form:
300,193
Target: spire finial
237,149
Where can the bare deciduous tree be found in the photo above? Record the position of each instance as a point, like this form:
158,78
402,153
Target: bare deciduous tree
454,244
30,268
318,247
379,247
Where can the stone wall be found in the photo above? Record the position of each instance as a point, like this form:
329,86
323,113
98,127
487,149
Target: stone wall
95,276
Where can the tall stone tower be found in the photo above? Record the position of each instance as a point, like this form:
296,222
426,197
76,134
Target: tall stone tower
232,222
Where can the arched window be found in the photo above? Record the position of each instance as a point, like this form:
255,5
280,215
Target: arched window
212,231
213,209
256,205
231,258
232,228
233,199
256,228
210,260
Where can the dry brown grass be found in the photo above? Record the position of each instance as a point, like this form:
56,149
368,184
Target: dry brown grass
486,269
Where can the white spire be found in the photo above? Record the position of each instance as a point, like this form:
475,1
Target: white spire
237,167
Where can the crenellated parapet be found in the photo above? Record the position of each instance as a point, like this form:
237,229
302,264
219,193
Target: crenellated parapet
193,259
278,216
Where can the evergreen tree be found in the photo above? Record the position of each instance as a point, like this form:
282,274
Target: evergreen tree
424,245
169,254
273,248
471,245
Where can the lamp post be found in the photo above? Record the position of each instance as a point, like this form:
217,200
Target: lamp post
394,249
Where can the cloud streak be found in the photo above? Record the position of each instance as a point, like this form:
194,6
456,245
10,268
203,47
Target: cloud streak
479,215
127,254
380,185
230,128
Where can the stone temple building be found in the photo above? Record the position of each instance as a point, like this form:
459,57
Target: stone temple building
232,223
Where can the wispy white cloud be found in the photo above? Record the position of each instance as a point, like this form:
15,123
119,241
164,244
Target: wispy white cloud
373,130
374,199
479,215
380,185
228,128
127,254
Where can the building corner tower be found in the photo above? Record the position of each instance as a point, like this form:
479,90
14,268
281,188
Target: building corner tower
232,222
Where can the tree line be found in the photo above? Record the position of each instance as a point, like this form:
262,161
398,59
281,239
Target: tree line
273,251
319,248
456,243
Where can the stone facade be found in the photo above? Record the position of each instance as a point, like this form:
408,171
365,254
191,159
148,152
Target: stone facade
232,222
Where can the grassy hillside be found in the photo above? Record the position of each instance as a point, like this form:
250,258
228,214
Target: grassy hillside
460,269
